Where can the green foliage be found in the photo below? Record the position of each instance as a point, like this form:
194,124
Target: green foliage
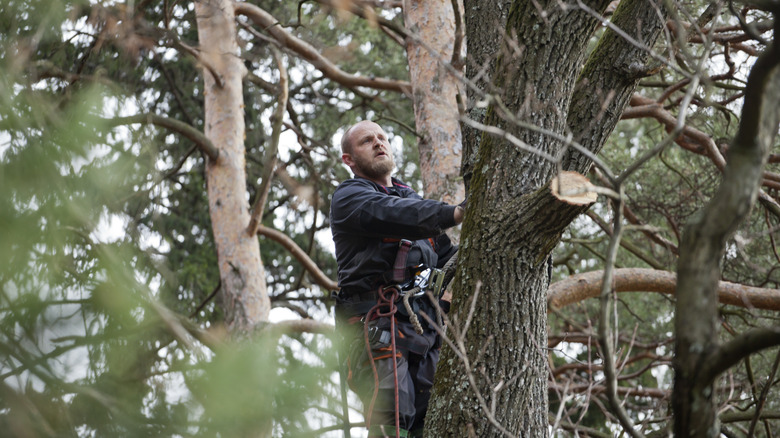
105,229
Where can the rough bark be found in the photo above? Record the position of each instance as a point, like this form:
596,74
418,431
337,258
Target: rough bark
484,22
506,340
431,25
512,223
610,76
704,242
244,295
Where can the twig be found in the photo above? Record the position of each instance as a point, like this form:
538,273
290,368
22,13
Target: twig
604,328
207,299
762,398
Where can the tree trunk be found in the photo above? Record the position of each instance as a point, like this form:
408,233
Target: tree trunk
435,91
513,223
244,295
485,23
704,242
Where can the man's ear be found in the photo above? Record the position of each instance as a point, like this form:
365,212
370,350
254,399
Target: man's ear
347,159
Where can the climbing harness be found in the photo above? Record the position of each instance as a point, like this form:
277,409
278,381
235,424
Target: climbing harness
426,283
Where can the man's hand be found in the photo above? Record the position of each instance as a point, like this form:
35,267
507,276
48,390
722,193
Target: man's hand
458,214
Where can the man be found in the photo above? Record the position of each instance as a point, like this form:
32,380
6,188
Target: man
373,216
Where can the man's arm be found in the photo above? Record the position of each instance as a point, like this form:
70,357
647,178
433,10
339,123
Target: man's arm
359,208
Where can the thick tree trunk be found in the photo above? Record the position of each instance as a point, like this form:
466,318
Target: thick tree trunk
703,245
485,23
435,91
245,299
512,223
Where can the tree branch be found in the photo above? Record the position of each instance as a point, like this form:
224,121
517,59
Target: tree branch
606,334
319,277
691,139
698,359
733,417
588,285
182,128
271,25
627,244
365,12
270,160
300,326
731,353
208,64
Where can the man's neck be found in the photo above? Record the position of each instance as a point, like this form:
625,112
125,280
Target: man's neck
387,181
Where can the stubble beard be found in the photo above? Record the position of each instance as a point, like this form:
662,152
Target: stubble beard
376,169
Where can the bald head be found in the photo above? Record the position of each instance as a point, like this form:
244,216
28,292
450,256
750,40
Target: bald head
346,140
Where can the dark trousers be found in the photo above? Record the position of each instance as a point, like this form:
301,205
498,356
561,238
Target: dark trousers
416,359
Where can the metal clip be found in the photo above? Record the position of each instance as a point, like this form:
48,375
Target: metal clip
377,335
435,282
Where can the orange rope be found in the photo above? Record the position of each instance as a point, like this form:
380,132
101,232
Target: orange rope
390,302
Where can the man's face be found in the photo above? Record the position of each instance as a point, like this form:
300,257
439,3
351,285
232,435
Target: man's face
370,156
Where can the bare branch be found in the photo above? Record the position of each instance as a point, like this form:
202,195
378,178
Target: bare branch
606,334
271,25
764,392
731,353
182,128
319,277
689,138
703,245
580,287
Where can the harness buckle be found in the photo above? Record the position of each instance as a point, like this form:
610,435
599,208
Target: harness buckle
435,282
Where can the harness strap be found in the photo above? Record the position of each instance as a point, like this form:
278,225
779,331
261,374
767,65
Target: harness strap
399,267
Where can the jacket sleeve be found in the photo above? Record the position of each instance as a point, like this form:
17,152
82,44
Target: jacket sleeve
358,207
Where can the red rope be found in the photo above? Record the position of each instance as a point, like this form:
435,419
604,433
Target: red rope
390,302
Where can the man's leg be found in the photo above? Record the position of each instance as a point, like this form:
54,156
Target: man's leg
421,370
385,406
363,381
